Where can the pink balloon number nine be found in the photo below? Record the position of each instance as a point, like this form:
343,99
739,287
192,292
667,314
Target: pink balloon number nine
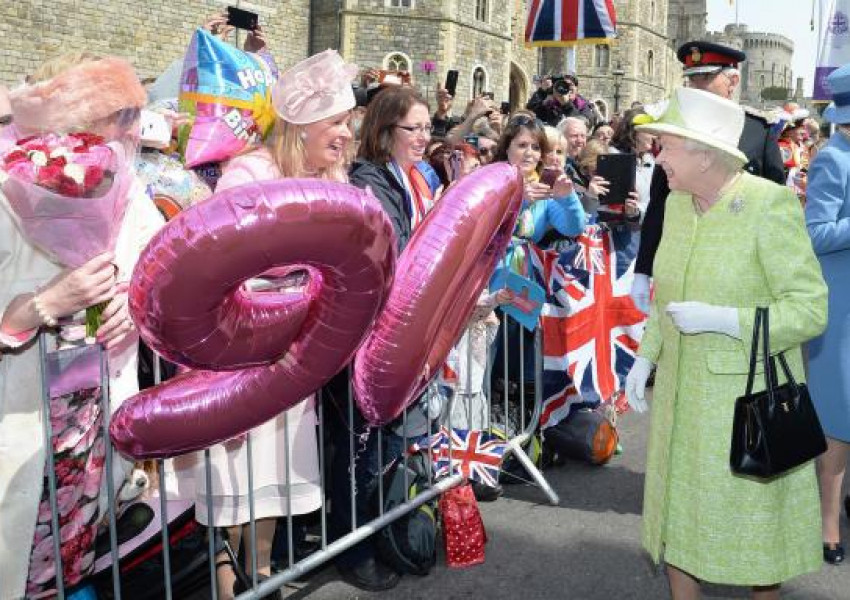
255,354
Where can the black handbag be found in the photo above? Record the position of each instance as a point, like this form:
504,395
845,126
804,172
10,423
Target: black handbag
777,429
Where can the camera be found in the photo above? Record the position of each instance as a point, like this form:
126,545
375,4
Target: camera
562,86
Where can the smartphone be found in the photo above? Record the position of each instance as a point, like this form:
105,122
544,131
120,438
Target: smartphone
550,175
506,108
472,140
455,162
488,95
242,19
451,81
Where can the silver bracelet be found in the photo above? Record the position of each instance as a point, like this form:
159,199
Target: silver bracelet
42,314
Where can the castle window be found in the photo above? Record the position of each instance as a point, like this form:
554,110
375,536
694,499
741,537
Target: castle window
400,3
602,56
761,81
652,10
396,61
482,12
650,64
479,82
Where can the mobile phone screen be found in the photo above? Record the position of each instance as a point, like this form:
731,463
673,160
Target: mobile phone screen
550,176
451,81
242,19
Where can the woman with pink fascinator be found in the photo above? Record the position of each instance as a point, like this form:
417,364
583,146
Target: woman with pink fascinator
313,101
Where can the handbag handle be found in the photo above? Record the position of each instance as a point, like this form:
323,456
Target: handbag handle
770,382
754,350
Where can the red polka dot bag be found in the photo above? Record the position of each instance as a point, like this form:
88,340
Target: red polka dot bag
463,528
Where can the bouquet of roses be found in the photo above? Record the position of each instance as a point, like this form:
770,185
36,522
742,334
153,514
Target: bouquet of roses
68,194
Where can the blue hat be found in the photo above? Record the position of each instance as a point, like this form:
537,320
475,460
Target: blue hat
838,83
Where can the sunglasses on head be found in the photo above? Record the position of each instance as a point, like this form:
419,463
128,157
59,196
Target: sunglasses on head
525,121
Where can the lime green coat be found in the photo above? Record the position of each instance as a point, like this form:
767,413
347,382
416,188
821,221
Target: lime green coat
750,249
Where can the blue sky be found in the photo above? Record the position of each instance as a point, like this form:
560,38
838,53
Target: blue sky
791,18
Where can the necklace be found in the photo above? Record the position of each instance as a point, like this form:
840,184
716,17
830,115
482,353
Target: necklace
702,206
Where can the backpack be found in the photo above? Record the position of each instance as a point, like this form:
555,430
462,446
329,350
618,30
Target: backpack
409,544
586,434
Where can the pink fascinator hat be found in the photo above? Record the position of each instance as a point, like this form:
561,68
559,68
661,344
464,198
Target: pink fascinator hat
315,89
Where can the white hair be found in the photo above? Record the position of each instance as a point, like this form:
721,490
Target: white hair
567,121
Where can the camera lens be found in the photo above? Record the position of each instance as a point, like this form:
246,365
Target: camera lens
562,87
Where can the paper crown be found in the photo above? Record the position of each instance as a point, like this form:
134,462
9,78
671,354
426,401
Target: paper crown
315,89
697,115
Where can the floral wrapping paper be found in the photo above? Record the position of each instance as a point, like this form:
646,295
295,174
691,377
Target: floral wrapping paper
78,453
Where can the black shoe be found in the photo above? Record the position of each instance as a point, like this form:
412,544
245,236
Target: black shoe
370,576
833,554
486,493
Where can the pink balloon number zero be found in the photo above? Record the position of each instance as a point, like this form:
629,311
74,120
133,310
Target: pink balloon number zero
253,354
438,280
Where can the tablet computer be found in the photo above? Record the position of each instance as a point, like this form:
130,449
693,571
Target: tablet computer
619,170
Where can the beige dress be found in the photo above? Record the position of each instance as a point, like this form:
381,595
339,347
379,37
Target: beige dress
229,461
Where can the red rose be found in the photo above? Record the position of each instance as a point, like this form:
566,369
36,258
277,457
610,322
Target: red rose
36,145
60,161
88,139
49,176
14,156
93,177
69,187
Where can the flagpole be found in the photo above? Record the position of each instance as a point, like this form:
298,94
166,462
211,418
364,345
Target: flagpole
571,60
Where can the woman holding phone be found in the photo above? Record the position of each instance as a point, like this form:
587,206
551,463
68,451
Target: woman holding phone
547,205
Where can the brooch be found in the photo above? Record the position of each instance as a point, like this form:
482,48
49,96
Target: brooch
737,205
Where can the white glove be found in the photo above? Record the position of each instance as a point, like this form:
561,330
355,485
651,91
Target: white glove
636,384
699,317
640,292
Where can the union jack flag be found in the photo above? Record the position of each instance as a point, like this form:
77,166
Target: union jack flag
475,454
591,327
565,22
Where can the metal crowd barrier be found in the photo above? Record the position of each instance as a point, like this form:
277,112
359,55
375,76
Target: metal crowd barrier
329,550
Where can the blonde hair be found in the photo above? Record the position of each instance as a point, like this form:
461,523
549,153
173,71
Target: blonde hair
555,138
59,64
290,154
590,155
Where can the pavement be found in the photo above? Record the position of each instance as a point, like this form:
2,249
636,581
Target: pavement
586,548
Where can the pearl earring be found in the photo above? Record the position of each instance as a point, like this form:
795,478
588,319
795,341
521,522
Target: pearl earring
303,136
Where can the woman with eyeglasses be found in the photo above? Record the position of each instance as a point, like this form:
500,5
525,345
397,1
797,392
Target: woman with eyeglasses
395,134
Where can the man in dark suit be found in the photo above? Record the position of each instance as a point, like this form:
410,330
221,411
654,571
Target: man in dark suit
712,68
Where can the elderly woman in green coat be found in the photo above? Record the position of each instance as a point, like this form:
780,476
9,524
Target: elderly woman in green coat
732,242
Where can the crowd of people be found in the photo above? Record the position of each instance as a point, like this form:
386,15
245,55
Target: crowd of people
715,218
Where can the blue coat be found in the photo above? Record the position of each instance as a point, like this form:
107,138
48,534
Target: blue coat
828,222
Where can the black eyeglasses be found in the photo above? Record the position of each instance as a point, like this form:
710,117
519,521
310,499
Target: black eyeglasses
416,129
484,151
